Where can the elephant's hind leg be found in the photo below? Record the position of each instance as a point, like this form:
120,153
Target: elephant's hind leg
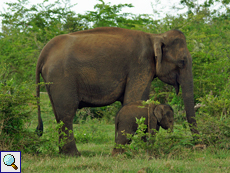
121,140
65,105
66,138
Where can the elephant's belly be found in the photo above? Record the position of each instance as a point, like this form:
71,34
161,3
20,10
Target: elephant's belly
95,96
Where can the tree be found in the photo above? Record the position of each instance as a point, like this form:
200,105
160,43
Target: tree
25,31
109,15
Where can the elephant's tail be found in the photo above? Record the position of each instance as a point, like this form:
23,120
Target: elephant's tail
39,129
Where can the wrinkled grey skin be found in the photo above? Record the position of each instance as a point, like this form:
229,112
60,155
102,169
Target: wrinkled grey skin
97,67
160,115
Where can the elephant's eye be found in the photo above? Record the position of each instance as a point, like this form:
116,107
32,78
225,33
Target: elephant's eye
164,48
182,62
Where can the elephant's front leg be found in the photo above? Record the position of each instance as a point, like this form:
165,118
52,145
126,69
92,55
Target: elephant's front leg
152,133
138,86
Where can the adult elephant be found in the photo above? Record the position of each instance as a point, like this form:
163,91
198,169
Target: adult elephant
100,66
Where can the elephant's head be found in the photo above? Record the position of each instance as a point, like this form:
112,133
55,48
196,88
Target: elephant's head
164,115
174,67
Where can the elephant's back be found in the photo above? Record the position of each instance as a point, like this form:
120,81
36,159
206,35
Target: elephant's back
107,31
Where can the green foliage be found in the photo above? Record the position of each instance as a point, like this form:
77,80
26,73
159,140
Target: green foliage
16,105
213,132
150,101
91,132
14,108
106,113
64,135
48,144
44,20
106,15
137,145
213,118
216,106
17,51
162,145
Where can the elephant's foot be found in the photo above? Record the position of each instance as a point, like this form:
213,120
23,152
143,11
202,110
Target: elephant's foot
70,149
77,153
70,152
117,151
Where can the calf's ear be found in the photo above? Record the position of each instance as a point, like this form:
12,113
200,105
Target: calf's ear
158,112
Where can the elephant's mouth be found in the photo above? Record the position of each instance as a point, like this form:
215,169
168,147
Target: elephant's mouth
177,85
171,79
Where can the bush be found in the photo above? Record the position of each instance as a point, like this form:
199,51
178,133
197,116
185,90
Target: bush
14,108
16,105
162,145
213,118
214,131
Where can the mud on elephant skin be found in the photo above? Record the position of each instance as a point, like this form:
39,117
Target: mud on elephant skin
97,67
155,116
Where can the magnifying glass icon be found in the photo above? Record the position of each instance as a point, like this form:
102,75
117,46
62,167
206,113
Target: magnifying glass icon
9,160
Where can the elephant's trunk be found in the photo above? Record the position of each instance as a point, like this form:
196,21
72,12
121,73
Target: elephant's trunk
186,82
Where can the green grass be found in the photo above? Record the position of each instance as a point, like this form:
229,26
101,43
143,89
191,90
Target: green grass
101,161
95,142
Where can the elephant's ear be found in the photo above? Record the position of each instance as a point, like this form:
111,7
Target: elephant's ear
158,112
158,52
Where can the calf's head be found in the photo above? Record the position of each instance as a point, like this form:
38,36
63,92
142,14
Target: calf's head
165,116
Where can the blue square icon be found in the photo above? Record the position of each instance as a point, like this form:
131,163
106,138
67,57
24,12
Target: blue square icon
10,161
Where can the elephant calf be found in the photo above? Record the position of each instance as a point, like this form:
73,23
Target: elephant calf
160,115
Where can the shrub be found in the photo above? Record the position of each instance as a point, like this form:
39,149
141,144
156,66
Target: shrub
162,145
214,131
16,105
213,118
